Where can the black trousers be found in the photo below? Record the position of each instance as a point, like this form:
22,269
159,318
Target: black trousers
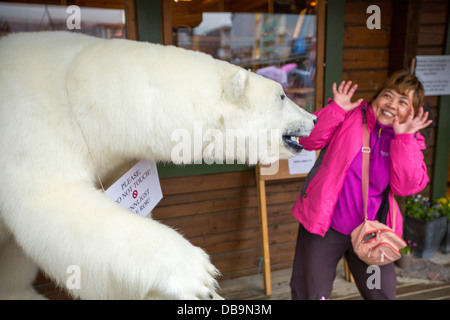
315,263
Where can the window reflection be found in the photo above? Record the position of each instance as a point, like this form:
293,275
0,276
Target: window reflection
24,17
279,46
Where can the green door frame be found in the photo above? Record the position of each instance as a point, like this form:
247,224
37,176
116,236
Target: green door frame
334,46
442,153
149,20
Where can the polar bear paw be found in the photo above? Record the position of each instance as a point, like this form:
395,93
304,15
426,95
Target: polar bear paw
175,269
191,276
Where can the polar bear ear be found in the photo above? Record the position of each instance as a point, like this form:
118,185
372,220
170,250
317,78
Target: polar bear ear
235,86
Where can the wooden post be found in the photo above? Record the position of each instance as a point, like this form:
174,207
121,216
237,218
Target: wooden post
130,20
348,273
262,206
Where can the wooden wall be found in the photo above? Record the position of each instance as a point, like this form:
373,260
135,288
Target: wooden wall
220,214
366,52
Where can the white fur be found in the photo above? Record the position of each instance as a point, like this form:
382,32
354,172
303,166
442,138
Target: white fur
73,107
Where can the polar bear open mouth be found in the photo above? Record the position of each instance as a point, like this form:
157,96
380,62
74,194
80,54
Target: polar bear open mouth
292,143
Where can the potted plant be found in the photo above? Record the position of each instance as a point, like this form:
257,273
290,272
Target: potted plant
445,204
407,255
425,225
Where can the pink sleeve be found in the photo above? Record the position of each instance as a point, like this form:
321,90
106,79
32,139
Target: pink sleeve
408,171
329,118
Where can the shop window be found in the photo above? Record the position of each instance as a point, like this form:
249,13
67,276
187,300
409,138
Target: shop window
276,38
105,22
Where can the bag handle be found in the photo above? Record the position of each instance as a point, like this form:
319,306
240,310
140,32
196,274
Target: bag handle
365,170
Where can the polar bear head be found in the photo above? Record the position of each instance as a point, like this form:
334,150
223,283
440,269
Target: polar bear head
172,104
224,113
264,108
252,120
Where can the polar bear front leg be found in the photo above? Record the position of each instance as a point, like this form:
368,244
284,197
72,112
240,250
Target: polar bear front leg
98,250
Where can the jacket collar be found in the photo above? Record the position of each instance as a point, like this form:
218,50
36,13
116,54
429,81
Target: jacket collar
386,129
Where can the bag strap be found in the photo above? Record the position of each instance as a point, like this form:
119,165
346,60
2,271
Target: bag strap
365,169
394,211
365,164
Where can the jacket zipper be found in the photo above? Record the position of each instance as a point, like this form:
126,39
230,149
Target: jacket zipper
378,232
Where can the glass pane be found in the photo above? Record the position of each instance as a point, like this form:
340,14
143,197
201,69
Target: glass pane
280,46
23,17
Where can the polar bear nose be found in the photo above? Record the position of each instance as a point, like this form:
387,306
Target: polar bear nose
315,120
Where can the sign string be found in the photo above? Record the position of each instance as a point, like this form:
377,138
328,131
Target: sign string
87,146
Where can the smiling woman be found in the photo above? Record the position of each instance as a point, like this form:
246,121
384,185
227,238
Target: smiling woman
395,103
333,213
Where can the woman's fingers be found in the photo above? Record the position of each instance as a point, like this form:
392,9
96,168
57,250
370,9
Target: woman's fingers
341,87
345,88
352,90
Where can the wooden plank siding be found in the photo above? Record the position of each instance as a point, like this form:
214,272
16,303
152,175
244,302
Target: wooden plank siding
219,213
366,52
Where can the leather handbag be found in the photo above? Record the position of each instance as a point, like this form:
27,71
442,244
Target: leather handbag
374,242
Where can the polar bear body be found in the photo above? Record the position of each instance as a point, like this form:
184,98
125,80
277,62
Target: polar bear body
75,108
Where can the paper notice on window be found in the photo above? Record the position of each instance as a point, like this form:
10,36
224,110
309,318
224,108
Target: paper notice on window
434,73
138,190
302,163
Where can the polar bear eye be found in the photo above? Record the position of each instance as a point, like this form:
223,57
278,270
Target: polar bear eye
282,96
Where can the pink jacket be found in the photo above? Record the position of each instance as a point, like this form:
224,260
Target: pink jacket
340,132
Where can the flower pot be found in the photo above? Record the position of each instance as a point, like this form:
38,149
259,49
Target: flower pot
427,234
405,261
445,246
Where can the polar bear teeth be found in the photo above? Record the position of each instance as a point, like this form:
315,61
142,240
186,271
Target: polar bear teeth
293,141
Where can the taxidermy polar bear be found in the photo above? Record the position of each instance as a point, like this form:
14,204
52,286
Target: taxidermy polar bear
74,108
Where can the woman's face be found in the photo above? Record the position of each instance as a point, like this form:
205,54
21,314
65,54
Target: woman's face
389,103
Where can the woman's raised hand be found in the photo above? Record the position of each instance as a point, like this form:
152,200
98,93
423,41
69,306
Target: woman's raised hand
412,123
343,95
